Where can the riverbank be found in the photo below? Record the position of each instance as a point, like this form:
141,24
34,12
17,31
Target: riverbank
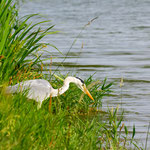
72,123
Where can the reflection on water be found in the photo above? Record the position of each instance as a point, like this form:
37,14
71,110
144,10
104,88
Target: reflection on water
115,45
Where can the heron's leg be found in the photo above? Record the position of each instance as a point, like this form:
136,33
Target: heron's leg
39,105
50,103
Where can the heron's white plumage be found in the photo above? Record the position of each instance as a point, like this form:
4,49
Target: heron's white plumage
40,89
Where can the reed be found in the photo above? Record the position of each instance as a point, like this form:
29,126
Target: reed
70,125
19,43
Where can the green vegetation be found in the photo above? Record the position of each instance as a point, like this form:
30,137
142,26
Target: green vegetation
19,44
73,123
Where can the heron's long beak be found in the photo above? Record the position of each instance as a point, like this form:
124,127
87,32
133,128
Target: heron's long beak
88,93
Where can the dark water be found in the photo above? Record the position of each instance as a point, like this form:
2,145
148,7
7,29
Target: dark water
115,45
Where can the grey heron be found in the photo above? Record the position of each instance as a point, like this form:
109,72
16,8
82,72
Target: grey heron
40,89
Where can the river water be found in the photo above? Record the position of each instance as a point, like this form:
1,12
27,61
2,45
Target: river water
116,44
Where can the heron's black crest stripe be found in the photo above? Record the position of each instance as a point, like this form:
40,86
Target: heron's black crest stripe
80,80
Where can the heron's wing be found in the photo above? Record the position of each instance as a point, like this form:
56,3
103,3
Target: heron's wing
38,89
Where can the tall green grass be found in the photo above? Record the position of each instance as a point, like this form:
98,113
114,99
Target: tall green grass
70,125
18,41
74,122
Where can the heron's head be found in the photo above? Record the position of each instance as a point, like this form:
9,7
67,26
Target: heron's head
80,83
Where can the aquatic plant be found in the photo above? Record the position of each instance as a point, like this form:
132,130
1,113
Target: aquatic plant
19,43
70,125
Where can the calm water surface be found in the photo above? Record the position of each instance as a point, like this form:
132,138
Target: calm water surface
115,45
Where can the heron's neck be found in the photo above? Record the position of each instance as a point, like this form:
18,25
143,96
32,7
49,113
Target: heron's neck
64,88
